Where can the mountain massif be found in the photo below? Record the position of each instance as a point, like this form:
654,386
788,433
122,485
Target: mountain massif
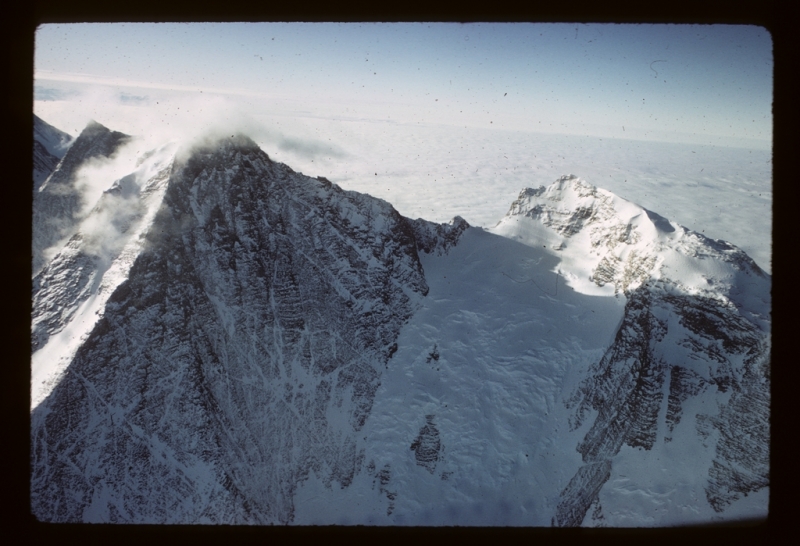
220,339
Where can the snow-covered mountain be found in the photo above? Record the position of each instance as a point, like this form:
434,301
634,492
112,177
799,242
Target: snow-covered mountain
49,146
224,340
692,348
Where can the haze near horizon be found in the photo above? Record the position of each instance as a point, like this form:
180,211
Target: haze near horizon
446,119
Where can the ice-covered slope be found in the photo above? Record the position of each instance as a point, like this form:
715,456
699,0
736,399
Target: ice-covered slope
59,204
49,146
257,346
469,426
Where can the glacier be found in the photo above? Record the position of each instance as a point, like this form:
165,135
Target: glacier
220,339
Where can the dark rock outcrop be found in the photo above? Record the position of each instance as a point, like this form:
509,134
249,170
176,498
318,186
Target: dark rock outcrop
427,446
438,238
626,389
581,492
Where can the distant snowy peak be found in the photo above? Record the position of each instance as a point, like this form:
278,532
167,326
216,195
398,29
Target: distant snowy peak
607,240
49,146
55,141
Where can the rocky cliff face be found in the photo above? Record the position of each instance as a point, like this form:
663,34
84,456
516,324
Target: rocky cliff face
44,163
438,238
647,372
241,354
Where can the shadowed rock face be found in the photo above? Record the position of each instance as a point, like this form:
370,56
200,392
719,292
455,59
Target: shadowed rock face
242,353
438,238
741,462
683,384
44,163
626,388
427,446
58,206
581,492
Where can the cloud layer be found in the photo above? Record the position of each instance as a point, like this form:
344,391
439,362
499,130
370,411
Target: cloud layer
438,171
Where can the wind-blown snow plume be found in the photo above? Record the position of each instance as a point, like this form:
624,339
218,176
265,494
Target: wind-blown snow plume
119,205
70,291
155,119
60,203
162,115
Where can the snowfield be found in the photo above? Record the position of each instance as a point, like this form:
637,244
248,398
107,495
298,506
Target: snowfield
489,357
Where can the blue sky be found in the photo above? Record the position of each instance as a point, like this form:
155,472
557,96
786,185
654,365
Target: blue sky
683,83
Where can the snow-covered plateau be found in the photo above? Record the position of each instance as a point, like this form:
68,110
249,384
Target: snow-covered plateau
219,339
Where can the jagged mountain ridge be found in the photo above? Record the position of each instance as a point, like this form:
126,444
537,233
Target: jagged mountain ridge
97,257
55,141
193,416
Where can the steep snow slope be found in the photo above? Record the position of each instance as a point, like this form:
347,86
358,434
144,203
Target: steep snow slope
59,204
257,346
469,425
584,363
